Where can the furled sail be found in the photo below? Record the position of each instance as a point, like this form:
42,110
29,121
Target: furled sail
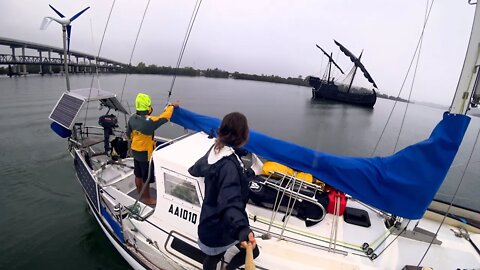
356,62
403,184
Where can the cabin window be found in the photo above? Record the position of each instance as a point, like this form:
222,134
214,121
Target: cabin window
181,188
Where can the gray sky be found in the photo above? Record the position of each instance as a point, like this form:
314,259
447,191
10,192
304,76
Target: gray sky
267,37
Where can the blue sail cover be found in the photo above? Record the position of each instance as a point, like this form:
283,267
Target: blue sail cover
403,184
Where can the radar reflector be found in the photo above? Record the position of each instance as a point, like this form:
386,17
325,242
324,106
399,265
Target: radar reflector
66,110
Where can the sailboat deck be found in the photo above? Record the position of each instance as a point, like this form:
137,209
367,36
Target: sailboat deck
349,237
291,242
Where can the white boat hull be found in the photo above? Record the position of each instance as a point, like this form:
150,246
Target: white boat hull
166,237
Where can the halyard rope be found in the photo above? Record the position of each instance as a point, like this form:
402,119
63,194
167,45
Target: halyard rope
404,80
98,55
184,45
133,49
413,82
453,198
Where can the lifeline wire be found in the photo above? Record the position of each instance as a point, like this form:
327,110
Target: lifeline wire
411,87
404,80
396,237
133,50
98,55
453,198
184,45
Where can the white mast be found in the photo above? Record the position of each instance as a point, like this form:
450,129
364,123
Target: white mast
469,78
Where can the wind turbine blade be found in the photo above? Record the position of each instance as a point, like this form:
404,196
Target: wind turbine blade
69,31
78,14
58,12
45,23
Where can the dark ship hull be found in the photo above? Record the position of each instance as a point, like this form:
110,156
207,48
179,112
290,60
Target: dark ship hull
330,91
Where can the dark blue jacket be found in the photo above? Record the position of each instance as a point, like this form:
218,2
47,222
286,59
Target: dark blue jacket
223,219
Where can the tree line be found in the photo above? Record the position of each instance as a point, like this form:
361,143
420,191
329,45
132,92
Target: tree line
142,68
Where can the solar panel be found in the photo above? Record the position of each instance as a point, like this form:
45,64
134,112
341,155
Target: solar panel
66,110
86,179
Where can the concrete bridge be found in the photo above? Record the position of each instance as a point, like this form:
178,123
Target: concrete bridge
49,57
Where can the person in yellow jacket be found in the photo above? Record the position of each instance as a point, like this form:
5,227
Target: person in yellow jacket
140,131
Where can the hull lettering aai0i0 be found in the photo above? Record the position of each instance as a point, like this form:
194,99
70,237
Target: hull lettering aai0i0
183,213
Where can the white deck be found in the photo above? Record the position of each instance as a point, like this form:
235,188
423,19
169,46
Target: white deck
183,154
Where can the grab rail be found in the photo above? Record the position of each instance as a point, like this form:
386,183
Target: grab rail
292,189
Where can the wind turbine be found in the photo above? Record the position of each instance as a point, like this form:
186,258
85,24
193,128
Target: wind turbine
67,30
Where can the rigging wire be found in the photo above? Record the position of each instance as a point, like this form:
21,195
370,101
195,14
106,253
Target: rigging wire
133,50
404,80
184,45
335,71
413,83
93,47
98,55
453,198
321,66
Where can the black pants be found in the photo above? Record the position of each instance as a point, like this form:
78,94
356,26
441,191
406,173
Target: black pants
210,263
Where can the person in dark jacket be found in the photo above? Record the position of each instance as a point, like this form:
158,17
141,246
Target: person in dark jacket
223,220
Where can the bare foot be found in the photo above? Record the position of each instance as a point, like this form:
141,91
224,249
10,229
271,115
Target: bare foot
150,201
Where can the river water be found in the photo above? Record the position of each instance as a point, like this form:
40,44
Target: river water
44,220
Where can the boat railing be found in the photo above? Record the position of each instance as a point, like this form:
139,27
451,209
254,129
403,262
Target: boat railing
165,141
295,189
275,178
298,190
88,131
88,136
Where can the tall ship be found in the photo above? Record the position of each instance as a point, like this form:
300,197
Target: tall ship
328,88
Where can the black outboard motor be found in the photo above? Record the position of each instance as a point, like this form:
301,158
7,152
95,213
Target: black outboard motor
108,122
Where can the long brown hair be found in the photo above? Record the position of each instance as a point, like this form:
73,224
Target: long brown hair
233,131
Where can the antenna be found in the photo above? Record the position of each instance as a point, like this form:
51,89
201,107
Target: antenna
67,31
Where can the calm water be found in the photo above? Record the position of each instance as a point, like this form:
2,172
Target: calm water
44,219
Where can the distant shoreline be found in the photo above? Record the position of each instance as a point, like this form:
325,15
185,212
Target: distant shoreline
142,68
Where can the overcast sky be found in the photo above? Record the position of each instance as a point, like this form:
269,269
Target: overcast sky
267,37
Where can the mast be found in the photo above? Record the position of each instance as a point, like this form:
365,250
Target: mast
470,76
356,62
329,67
354,72
330,62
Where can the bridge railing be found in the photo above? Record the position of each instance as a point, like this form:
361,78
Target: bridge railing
8,59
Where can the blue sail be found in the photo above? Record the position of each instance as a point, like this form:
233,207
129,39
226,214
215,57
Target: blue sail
403,184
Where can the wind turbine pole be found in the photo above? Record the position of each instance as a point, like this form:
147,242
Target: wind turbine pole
65,63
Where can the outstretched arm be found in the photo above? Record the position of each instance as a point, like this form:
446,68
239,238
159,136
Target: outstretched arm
157,121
